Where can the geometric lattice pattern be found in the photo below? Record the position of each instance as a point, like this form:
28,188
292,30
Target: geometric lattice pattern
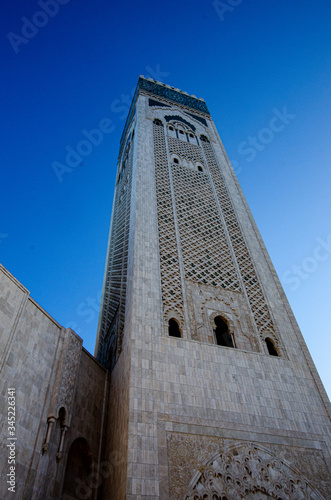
113,312
205,250
189,151
253,288
169,262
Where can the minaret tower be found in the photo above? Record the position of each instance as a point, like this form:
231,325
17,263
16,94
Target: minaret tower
213,392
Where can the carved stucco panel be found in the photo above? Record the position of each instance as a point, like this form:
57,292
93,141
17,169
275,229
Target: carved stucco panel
206,300
72,350
203,466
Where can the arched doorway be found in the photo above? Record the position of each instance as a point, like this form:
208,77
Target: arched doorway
78,470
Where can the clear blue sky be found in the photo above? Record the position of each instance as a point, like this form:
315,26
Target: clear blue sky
80,66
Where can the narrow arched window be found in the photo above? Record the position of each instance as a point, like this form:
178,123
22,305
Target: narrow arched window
222,335
62,416
157,122
271,348
200,168
176,160
174,330
204,138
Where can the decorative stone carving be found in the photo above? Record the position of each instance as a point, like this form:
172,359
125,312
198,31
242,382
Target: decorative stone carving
245,470
255,294
206,302
172,296
195,327
207,467
310,462
240,328
206,254
185,452
68,376
114,298
172,95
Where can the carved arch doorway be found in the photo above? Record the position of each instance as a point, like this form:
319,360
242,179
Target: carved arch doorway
79,468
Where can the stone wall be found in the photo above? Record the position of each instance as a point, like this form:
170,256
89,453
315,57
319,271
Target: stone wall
49,370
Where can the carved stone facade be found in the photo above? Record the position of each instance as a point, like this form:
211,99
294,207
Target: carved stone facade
110,334
207,302
202,467
201,241
63,394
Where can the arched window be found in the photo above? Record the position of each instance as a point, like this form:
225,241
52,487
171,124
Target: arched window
176,160
222,335
174,330
191,138
171,131
204,138
62,416
200,168
157,122
271,348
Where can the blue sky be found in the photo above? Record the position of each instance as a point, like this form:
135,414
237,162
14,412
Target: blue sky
68,71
